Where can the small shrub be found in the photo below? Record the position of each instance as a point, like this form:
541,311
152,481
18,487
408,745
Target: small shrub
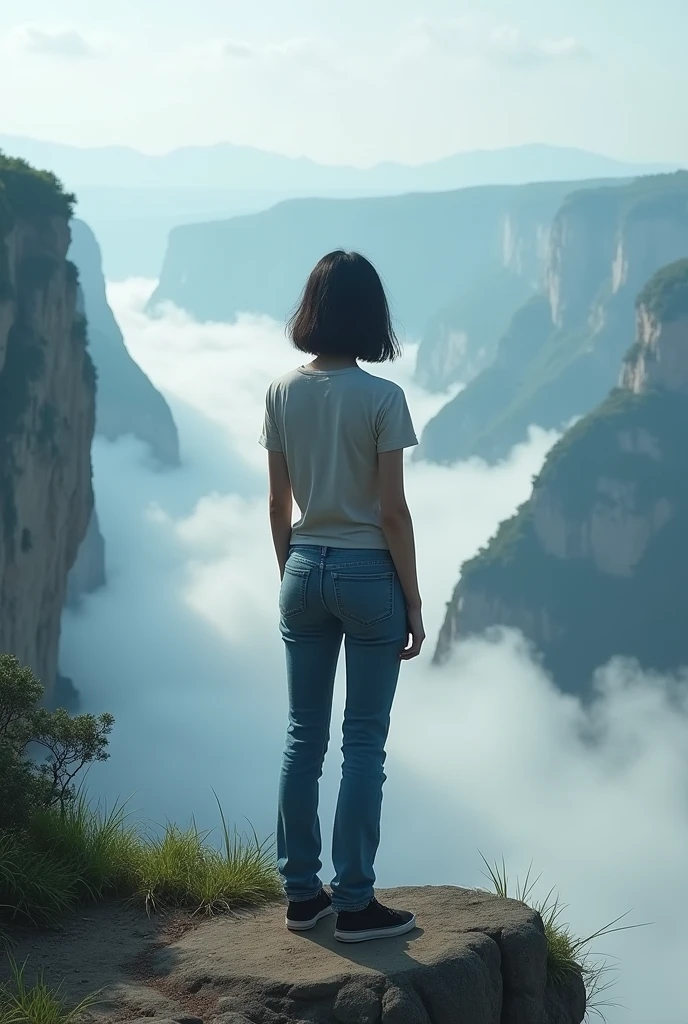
181,869
35,887
56,851
37,1003
567,954
69,744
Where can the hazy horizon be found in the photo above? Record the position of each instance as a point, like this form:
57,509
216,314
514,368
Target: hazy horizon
359,86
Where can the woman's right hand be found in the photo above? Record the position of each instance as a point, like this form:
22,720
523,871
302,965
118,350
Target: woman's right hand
416,632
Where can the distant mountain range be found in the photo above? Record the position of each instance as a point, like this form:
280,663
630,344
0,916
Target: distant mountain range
226,165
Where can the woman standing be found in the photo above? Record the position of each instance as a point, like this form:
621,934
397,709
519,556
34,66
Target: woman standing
335,436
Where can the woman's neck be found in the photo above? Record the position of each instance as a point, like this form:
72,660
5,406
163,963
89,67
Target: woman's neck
332,362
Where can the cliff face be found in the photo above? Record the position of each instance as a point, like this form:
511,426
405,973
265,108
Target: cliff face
47,410
431,249
604,245
461,339
595,563
127,401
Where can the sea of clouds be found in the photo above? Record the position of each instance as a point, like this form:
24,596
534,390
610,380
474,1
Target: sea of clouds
485,754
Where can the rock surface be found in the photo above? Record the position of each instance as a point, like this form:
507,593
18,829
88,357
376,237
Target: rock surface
562,351
594,564
431,248
47,396
474,958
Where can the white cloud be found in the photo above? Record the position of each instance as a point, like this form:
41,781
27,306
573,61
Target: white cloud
485,753
53,42
240,50
475,40
509,45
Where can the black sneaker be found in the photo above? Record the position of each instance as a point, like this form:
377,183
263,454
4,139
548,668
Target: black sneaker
375,922
303,916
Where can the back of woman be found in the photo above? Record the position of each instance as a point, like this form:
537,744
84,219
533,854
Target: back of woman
335,435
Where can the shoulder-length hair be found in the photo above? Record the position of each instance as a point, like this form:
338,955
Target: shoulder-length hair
343,311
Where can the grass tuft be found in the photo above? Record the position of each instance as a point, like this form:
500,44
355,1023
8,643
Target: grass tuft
75,854
567,954
24,1003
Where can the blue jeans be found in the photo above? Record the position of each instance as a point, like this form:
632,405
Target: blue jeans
328,594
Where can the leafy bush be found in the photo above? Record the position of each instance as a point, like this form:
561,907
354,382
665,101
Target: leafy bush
31,194
56,851
69,745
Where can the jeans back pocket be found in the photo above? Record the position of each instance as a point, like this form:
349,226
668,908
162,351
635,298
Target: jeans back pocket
364,598
292,595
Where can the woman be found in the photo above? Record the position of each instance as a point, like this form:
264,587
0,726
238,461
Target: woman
335,436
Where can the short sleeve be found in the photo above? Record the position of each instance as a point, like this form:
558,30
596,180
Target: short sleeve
394,424
270,437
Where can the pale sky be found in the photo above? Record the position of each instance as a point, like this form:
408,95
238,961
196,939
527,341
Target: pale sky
355,81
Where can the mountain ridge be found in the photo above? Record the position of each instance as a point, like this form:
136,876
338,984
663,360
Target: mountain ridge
213,165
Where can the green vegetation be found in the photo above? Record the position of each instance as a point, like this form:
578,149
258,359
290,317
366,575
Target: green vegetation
546,373
25,1003
568,955
29,195
640,615
666,294
56,851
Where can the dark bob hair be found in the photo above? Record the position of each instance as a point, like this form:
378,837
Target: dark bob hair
343,311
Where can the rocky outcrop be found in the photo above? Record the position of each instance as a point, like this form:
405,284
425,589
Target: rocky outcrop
128,403
431,249
461,340
474,958
594,564
47,409
562,351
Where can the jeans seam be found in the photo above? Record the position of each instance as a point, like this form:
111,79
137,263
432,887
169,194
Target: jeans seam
350,910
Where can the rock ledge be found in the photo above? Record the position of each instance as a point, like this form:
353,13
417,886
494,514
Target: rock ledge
474,958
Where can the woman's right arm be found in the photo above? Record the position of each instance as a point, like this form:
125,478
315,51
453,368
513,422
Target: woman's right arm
397,527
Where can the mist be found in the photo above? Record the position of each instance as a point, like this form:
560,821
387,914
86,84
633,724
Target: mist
485,754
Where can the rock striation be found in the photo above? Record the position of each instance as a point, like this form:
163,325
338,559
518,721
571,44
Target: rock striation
561,352
431,249
47,412
594,564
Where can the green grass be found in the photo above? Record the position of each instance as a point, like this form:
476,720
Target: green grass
24,1003
567,953
79,855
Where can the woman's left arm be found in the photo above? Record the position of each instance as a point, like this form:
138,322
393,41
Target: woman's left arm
281,504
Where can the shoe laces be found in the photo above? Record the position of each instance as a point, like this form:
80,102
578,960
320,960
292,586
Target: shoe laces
384,909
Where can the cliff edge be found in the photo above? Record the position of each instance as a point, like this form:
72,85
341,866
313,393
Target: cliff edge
128,403
595,563
562,351
474,958
47,413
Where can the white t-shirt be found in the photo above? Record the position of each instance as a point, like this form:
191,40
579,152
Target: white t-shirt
331,424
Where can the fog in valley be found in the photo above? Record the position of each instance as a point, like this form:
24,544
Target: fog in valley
485,754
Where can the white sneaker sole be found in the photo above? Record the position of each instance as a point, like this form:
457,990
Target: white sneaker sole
305,926
376,933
